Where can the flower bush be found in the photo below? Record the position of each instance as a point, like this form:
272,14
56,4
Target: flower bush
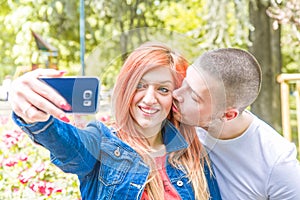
26,171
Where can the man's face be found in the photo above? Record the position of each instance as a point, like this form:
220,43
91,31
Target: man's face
193,100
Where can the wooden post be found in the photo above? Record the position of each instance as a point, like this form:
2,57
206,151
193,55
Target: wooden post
298,111
285,80
285,110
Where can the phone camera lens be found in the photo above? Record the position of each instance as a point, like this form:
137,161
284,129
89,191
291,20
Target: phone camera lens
87,94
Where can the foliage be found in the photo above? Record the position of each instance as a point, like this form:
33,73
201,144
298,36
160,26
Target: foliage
46,18
229,28
26,171
287,13
114,28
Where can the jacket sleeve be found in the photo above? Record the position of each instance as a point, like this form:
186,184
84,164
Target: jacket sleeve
71,149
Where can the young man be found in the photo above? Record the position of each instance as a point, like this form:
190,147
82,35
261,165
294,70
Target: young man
251,160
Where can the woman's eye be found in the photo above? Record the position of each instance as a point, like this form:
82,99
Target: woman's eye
140,86
164,89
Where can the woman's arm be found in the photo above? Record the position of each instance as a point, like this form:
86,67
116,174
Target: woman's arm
73,150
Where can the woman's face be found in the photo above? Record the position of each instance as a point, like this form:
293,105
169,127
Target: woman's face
152,101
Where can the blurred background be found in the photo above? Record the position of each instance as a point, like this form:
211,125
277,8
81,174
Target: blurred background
93,37
268,28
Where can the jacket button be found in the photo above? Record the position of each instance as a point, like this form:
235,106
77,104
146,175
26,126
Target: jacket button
179,183
117,152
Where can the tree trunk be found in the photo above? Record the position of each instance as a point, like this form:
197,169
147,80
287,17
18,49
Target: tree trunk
266,48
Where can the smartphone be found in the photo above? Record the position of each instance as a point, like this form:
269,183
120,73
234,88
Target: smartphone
82,93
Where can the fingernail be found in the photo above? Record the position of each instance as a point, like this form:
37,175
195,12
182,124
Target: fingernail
62,72
64,118
65,106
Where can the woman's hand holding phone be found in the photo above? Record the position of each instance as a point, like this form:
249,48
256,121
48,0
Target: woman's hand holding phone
80,92
34,101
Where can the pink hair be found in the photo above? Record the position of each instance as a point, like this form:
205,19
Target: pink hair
146,57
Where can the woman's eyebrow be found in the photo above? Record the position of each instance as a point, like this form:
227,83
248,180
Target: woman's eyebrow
161,82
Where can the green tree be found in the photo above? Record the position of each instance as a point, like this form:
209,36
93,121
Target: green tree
54,20
287,14
114,28
266,48
124,26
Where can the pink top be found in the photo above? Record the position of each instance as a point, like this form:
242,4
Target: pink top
170,191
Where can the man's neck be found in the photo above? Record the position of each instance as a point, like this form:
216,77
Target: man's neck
226,130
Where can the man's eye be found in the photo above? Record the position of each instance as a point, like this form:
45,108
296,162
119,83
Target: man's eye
195,97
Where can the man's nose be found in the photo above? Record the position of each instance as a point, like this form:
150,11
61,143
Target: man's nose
177,95
150,96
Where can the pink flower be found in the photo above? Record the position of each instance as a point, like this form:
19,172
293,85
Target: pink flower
15,189
11,137
23,157
44,187
105,118
1,161
25,177
33,187
4,120
39,168
58,190
10,162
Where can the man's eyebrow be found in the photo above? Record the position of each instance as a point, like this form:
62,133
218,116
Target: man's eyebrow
195,93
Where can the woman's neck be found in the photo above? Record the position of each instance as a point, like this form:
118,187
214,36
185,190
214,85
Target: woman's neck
153,135
157,146
155,141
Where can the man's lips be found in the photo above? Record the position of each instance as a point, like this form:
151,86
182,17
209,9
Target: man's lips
176,112
175,108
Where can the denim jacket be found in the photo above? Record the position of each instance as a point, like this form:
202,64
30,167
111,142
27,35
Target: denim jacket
108,168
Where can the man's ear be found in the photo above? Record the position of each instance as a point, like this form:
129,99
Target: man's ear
230,114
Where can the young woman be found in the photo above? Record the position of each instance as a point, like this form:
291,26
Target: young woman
146,154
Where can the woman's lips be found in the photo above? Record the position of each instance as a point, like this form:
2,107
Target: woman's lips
148,110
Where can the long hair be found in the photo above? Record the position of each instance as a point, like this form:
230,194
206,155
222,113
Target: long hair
146,57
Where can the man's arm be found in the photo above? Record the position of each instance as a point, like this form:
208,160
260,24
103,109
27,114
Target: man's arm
284,182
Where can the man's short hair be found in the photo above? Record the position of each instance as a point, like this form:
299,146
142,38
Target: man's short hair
239,72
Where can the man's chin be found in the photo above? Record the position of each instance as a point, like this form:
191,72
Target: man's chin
184,121
181,119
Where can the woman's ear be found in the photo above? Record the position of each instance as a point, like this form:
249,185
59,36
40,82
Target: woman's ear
230,114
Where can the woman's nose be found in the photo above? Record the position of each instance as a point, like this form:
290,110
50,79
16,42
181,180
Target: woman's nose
150,97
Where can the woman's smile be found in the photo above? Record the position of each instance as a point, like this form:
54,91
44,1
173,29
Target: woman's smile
153,98
148,111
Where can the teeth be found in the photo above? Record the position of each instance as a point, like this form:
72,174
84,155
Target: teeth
148,111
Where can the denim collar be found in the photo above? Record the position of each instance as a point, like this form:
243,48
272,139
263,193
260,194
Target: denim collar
172,138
